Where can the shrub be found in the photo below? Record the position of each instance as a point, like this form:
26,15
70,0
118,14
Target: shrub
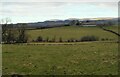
53,39
39,39
89,38
68,40
77,40
33,41
47,39
71,40
102,39
60,39
106,39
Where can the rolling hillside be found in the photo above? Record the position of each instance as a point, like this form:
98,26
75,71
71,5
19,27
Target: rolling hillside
72,32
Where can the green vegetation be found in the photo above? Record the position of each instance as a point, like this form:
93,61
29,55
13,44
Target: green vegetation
83,58
14,35
71,32
63,58
113,28
89,38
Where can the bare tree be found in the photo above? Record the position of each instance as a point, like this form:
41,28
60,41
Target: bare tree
7,31
22,36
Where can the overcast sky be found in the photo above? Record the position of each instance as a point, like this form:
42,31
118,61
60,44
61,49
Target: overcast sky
41,11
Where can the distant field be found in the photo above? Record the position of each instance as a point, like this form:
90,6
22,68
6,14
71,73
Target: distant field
74,32
85,58
113,28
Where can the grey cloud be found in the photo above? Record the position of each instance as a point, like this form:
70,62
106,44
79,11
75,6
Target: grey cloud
25,8
29,8
28,4
108,4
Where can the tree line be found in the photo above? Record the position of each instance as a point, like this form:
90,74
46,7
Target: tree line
13,35
60,39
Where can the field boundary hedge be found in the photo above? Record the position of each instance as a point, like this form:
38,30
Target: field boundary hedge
80,43
111,31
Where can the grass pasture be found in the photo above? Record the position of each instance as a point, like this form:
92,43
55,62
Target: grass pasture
84,58
113,28
73,58
70,32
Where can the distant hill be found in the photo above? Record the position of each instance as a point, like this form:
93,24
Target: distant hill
58,23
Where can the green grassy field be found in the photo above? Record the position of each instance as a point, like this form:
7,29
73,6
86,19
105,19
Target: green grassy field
74,32
84,58
113,28
76,58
